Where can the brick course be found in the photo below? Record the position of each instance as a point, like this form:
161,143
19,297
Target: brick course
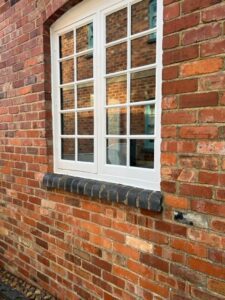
80,249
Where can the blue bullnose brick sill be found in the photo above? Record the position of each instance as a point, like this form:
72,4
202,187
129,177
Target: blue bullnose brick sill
110,192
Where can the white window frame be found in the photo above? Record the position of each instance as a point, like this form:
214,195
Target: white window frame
80,15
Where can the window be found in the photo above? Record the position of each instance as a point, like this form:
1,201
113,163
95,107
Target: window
106,91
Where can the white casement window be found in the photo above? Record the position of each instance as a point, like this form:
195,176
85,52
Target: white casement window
106,91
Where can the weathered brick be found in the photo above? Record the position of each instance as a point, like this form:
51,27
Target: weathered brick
201,132
201,34
192,5
214,14
181,23
198,100
181,54
205,66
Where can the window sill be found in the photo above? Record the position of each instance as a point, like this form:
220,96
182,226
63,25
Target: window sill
111,192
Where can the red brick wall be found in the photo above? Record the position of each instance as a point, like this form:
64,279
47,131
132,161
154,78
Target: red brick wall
77,248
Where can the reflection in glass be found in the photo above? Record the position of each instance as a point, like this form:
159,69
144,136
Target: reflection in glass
142,52
68,123
84,67
68,149
86,150
67,98
67,71
85,123
116,120
116,151
116,25
116,58
66,44
143,85
142,153
143,15
116,90
84,37
142,119
85,94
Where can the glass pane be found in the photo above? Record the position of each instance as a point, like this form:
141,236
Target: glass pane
84,37
66,71
143,86
116,25
68,149
116,152
66,44
86,150
142,153
67,97
116,90
142,119
68,123
85,95
116,58
117,120
86,123
84,67
143,52
143,15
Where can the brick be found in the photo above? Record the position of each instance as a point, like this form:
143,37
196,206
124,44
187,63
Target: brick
217,286
187,175
202,295
155,262
139,244
170,73
203,132
180,55
126,250
211,147
154,287
121,272
217,256
169,132
218,225
187,275
180,86
169,102
153,236
172,11
217,47
168,159
204,237
213,82
114,279
220,194
171,41
196,191
214,115
208,208
178,117
198,100
206,267
205,66
181,23
203,33
169,187
208,178
176,201
189,6
171,228
214,14
189,247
